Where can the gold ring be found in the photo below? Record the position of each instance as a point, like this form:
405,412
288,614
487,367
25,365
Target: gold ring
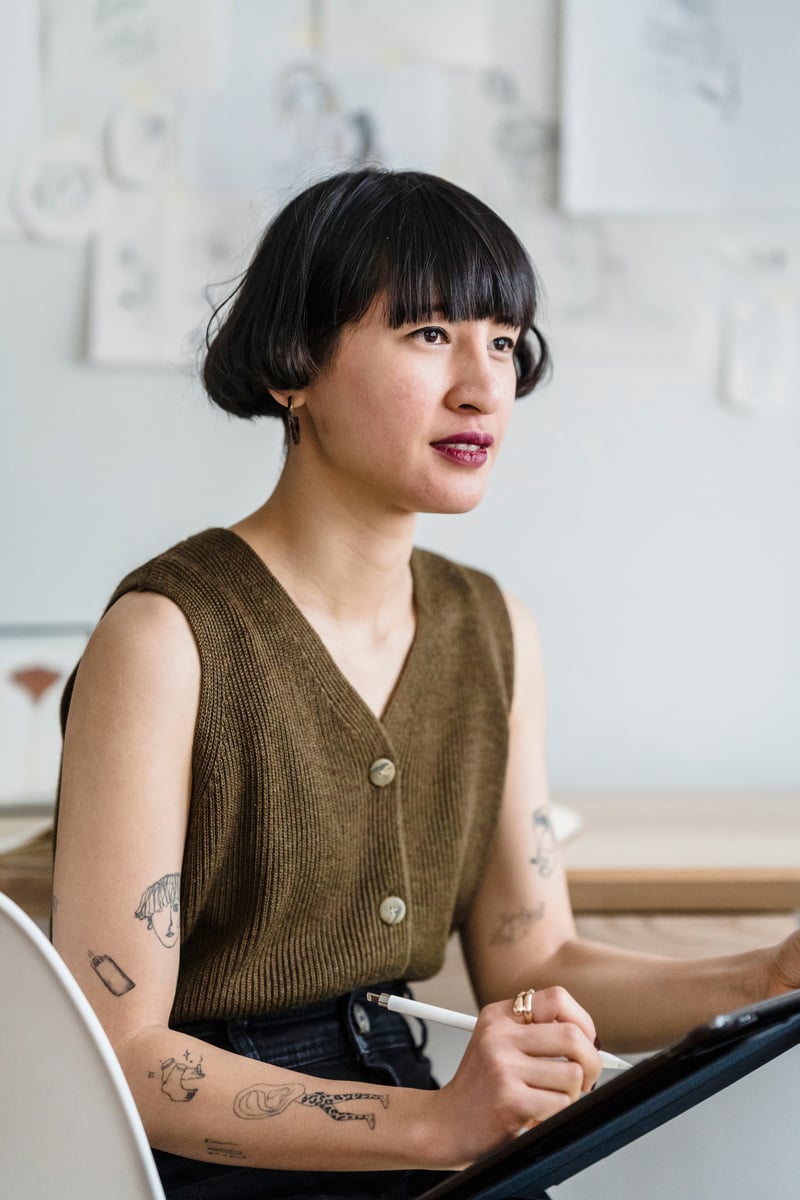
523,1005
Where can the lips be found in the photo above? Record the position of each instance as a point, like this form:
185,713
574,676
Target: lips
466,441
466,449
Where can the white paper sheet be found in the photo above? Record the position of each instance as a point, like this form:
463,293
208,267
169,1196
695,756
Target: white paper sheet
405,112
94,51
497,146
672,107
251,134
161,259
454,33
20,97
759,324
58,188
600,302
128,298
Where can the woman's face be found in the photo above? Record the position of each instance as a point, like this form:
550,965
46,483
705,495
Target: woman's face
411,419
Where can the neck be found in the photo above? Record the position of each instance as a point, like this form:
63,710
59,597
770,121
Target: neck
331,554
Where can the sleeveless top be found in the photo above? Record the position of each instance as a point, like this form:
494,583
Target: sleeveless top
328,849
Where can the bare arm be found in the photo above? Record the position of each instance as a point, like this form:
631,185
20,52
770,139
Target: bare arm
122,825
522,934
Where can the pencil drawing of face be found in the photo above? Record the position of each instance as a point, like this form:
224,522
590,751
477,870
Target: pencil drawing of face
160,906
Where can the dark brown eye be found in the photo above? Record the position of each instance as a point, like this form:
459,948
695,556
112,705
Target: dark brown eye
431,335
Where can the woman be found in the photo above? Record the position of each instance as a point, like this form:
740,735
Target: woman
337,739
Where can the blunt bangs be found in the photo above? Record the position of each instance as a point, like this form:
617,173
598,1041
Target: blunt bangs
438,259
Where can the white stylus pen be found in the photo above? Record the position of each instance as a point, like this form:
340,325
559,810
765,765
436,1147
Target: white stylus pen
445,1016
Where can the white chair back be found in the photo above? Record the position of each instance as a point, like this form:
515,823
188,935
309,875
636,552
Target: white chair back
68,1124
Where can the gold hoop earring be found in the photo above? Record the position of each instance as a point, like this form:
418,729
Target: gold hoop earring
292,423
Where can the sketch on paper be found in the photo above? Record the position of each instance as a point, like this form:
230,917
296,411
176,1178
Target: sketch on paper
688,51
57,190
127,272
759,329
20,99
527,143
35,662
448,33
313,127
665,104
496,145
126,33
140,141
98,47
156,256
600,303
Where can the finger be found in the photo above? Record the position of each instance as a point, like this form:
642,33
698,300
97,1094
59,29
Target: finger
541,1104
555,1075
556,1004
562,1039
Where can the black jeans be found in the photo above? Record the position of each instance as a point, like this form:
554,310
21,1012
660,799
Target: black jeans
346,1038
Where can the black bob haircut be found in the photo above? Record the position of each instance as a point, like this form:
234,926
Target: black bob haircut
424,243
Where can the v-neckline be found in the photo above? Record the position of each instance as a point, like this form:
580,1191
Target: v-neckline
327,671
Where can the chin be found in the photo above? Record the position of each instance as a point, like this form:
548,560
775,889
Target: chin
452,505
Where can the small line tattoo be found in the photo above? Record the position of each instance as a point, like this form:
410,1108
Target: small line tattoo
546,845
160,906
216,1149
55,902
264,1100
179,1079
112,975
512,927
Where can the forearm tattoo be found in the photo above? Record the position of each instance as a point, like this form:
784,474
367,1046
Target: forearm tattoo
180,1077
160,906
265,1100
546,845
229,1150
512,927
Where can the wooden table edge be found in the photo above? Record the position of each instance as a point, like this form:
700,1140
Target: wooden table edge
689,889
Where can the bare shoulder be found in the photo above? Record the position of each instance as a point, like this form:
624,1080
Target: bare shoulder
141,662
142,620
144,633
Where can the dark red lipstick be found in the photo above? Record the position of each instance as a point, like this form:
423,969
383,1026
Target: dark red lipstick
467,449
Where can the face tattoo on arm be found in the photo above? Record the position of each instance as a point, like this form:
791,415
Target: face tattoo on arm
160,906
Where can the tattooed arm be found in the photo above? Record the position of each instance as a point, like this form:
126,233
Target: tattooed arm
122,825
521,932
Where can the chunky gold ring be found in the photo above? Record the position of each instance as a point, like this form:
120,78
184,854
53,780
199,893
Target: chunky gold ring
523,1005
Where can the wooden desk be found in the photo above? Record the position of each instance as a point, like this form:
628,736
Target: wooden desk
26,875
685,852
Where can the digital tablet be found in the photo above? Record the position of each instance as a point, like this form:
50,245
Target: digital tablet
655,1090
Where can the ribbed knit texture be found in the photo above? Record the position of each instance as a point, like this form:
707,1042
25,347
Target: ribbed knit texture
290,848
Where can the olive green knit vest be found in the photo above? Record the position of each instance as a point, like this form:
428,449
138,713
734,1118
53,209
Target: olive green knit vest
311,867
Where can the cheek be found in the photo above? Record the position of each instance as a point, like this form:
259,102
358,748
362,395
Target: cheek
379,410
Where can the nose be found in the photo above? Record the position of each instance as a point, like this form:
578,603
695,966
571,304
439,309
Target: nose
478,380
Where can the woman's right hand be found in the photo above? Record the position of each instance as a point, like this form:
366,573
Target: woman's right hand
514,1075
